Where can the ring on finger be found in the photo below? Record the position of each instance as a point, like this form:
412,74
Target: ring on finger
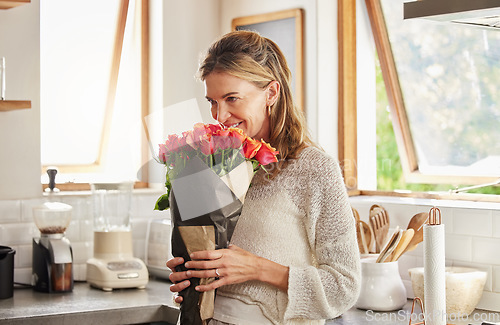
217,273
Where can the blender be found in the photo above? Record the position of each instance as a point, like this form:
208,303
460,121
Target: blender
113,265
52,253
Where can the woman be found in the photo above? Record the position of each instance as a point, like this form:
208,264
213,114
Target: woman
293,257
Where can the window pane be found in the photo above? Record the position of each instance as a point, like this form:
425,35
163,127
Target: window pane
76,65
76,48
448,76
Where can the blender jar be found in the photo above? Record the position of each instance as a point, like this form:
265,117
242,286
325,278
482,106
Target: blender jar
111,206
113,264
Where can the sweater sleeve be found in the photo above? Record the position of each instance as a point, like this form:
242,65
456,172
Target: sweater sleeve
332,286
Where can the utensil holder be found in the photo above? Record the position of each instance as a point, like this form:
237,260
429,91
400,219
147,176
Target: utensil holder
381,286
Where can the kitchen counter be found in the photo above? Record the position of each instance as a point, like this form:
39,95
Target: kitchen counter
87,305
356,316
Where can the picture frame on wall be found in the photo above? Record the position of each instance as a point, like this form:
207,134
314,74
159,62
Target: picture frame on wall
286,29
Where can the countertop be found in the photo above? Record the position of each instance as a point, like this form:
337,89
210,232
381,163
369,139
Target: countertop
87,305
403,316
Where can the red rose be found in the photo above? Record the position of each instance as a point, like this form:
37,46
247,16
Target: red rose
266,154
199,131
222,142
212,128
173,143
207,145
162,153
250,147
238,136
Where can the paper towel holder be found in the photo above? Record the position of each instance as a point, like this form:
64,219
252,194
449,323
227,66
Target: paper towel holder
417,299
435,216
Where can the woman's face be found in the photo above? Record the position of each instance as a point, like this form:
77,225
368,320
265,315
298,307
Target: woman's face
239,103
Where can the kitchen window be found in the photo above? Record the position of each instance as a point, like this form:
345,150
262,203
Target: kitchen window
443,95
93,90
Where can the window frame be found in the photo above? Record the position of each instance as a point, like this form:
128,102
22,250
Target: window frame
110,99
347,130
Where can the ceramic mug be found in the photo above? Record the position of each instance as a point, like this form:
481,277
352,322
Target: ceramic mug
381,286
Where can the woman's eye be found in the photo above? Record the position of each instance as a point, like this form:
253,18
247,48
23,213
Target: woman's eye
231,99
212,102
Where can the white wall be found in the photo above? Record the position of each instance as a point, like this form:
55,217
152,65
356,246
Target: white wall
20,129
189,27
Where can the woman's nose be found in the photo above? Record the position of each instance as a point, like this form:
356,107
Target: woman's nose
222,113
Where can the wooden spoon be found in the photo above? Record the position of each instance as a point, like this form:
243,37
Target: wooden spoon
365,237
355,213
363,247
391,245
416,223
403,243
369,236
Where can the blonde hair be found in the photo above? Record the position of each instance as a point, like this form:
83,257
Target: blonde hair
252,57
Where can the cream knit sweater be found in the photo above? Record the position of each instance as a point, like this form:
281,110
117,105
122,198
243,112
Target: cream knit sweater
302,219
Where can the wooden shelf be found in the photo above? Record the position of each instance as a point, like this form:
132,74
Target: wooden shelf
7,4
10,105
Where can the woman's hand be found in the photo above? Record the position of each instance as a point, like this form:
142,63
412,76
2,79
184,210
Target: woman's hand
234,265
179,279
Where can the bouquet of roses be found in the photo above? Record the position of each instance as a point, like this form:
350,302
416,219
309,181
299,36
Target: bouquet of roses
208,172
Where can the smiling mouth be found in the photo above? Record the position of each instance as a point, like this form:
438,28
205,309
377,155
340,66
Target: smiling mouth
234,125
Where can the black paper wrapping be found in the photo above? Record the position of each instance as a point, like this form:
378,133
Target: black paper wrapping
224,221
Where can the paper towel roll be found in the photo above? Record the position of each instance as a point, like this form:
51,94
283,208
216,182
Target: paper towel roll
434,275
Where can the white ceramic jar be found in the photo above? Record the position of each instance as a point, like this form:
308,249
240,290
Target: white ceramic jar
381,286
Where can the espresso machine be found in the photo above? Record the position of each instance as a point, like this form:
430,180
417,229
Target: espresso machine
113,265
52,254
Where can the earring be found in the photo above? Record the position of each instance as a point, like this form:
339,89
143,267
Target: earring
268,109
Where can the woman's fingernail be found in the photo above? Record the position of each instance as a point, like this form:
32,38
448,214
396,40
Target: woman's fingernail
197,288
188,273
187,264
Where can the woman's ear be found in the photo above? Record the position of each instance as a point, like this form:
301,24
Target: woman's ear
273,91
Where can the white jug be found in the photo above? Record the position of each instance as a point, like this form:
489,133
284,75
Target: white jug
381,286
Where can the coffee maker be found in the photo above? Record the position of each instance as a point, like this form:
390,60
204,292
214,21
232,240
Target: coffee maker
52,253
113,265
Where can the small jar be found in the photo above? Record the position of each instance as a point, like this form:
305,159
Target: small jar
381,286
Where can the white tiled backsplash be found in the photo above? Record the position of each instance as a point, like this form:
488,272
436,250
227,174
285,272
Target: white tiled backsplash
17,228
472,237
472,233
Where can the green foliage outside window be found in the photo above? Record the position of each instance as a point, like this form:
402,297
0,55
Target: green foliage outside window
389,171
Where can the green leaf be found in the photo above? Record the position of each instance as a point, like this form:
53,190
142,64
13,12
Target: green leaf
162,203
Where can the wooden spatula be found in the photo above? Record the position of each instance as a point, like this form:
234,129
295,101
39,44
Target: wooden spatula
379,221
391,245
403,243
